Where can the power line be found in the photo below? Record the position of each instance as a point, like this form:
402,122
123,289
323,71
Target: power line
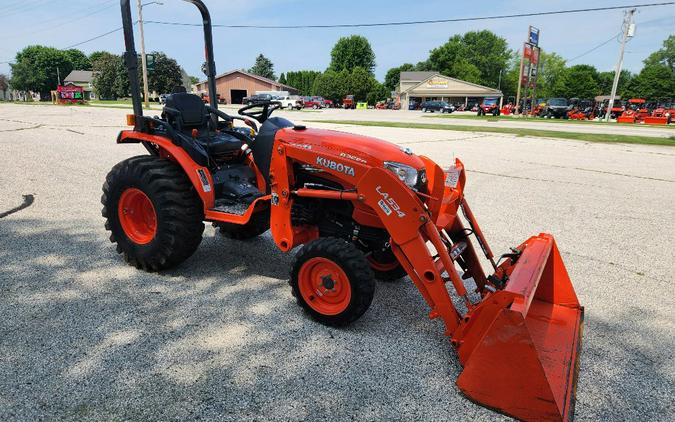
421,22
594,48
94,38
91,11
400,23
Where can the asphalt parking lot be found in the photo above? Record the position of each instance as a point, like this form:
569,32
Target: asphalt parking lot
84,336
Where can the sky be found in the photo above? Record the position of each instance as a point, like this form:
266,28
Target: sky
62,23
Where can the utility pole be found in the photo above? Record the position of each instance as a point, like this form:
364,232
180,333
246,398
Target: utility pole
520,82
58,76
628,32
144,64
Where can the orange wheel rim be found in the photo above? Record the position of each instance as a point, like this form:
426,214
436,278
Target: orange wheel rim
382,266
324,286
137,216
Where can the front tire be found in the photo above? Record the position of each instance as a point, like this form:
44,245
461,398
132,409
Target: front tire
332,281
152,212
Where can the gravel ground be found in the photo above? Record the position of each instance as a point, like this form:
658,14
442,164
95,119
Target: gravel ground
84,336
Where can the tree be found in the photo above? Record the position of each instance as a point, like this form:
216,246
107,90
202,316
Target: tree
110,81
35,69
352,52
580,81
665,56
78,59
551,74
378,92
332,85
302,80
96,55
282,78
361,82
466,71
4,82
393,76
194,80
606,80
263,67
166,75
654,81
477,55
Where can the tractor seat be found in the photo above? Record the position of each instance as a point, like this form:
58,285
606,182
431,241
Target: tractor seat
187,114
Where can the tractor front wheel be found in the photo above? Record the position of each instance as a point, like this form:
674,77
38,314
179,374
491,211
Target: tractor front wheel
152,212
332,281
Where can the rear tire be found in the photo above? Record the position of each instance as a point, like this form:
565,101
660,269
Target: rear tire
385,266
257,225
167,198
332,281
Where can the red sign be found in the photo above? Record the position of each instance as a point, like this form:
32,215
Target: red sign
527,51
534,58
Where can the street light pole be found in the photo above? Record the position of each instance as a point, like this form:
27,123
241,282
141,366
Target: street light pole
144,63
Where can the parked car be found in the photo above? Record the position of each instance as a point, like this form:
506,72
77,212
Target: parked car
413,105
440,106
256,99
555,107
328,103
289,102
313,102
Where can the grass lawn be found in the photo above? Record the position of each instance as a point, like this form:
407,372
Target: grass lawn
538,119
589,137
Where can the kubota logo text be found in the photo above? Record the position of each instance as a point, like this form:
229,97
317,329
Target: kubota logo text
339,167
388,204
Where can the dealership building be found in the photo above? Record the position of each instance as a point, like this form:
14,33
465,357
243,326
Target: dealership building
432,86
234,85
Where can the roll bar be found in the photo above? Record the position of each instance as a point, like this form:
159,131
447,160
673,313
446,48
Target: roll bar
131,60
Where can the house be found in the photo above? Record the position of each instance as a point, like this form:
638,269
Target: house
234,85
432,86
83,79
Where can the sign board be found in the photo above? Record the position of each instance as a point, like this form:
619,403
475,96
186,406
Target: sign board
534,58
527,50
437,82
533,36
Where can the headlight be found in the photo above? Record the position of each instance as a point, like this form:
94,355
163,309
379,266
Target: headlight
407,174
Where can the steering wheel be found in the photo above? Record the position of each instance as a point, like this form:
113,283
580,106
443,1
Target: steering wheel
268,108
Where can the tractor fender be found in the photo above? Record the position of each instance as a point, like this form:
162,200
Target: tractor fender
199,176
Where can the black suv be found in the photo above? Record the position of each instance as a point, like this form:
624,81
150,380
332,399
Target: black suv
440,106
258,98
555,107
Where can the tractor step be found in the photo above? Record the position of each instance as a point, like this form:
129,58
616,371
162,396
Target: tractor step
237,208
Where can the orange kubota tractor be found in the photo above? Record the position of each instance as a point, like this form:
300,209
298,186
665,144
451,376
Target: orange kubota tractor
358,209
662,114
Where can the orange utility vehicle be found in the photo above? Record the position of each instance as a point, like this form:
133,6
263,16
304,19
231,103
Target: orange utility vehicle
635,111
357,209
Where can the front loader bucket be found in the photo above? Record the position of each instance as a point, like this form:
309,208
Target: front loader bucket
520,346
652,120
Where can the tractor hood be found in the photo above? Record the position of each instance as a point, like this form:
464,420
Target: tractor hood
347,147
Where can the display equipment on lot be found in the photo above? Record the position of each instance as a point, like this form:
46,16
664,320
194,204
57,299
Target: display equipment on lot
359,209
